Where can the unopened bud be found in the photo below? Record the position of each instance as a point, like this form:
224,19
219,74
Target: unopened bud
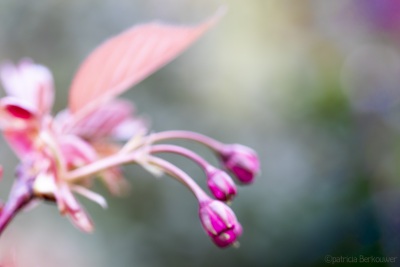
220,223
221,184
242,161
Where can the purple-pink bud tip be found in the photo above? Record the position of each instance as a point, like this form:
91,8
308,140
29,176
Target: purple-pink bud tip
221,184
220,223
242,161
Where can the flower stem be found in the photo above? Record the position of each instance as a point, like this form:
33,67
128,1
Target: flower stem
202,139
100,165
120,159
181,176
181,151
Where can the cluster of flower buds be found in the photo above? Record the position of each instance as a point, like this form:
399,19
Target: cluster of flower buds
217,218
98,134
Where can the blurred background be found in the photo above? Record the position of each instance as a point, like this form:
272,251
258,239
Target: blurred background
311,85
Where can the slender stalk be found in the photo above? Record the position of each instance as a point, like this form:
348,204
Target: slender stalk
202,139
181,151
100,165
120,159
181,176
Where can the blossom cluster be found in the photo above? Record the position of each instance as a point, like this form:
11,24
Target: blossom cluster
98,133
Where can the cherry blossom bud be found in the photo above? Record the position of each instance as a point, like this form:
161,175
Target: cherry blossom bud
220,184
219,222
242,161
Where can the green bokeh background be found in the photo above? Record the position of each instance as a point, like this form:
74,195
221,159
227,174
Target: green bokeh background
311,85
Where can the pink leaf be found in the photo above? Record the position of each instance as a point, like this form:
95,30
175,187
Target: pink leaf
127,59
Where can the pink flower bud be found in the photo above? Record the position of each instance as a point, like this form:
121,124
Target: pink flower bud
219,222
242,161
221,184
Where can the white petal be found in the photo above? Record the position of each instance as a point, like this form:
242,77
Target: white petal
90,195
